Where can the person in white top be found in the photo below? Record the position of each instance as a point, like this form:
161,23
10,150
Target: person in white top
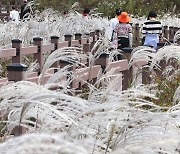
114,21
14,15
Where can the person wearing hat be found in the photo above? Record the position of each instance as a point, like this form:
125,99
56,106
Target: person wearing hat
114,21
123,32
152,29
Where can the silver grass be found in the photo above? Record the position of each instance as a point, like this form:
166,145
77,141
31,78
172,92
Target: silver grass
111,120
52,23
166,53
55,24
41,103
32,67
41,144
176,36
70,54
141,53
176,97
153,133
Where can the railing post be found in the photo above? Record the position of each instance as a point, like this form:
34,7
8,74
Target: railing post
126,79
136,35
39,55
78,37
0,6
16,72
97,33
55,40
16,4
68,38
102,60
8,6
86,47
171,33
160,45
165,32
146,75
16,43
92,34
87,35
127,53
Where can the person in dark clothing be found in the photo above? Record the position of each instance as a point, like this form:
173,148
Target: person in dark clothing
25,10
86,12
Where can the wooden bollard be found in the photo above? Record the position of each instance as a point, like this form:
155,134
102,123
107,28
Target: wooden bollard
16,72
55,40
68,38
16,43
39,55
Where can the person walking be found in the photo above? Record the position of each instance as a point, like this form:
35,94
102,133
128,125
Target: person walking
123,32
152,29
14,15
114,21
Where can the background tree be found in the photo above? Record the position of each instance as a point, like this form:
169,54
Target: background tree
107,7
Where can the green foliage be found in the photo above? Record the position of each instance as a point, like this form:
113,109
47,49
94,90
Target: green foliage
107,7
165,90
3,64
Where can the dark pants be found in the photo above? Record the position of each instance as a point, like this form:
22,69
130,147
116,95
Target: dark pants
123,42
